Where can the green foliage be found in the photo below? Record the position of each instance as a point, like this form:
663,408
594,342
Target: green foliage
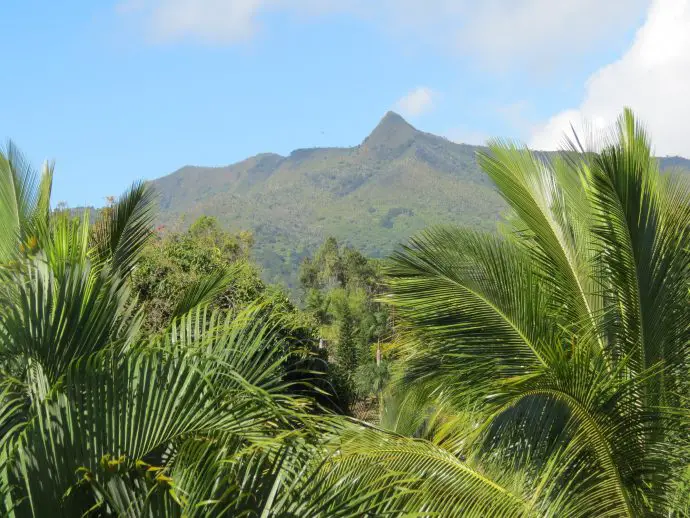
372,377
205,264
341,286
560,350
372,196
541,372
199,419
97,418
173,263
24,201
346,345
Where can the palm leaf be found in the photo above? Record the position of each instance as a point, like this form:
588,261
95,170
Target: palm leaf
125,228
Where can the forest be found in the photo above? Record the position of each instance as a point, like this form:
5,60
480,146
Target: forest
541,368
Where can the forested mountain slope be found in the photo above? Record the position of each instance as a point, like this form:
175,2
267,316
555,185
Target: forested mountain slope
397,181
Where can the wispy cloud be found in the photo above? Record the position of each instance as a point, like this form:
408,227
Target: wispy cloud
208,21
502,32
652,77
417,102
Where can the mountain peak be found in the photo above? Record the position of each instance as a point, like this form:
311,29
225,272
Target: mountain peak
392,117
392,121
391,132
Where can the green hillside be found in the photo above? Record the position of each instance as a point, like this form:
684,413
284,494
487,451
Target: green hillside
397,181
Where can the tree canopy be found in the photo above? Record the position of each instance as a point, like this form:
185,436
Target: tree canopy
542,370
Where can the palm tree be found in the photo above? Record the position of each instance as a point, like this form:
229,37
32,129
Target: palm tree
97,418
560,350
545,371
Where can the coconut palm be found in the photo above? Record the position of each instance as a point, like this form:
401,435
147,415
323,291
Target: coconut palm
563,343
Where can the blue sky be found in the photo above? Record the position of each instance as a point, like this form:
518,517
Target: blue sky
118,91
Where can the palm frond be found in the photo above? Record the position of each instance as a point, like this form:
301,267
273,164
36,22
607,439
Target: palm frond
569,338
546,196
473,300
203,292
18,200
125,228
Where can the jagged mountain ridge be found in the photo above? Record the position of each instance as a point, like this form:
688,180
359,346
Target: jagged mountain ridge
398,181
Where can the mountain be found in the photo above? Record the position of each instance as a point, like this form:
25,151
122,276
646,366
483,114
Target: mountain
398,181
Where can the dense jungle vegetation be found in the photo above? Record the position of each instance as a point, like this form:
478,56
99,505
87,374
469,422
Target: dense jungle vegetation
539,369
373,196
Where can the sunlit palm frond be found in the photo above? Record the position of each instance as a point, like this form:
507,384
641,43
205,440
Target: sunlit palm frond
124,228
603,300
474,300
57,317
120,410
204,291
546,195
24,202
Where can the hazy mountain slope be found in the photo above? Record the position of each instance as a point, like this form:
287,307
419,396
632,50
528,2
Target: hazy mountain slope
375,195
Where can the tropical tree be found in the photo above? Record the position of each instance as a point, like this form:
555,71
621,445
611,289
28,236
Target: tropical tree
544,371
99,418
560,350
198,419
172,261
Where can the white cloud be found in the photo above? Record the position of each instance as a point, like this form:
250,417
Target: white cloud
217,21
652,77
417,102
547,29
502,32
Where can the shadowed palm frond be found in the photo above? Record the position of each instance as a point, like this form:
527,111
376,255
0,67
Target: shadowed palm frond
109,414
